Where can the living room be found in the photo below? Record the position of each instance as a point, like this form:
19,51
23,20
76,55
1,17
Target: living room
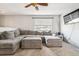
42,30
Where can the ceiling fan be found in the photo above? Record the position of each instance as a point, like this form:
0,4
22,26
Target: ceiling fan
36,5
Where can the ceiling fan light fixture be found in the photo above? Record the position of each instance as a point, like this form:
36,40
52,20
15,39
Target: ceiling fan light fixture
36,7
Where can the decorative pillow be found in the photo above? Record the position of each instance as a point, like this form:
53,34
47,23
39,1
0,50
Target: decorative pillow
47,33
38,33
17,33
8,34
1,36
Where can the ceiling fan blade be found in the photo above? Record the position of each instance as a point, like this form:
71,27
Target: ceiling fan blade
28,5
43,4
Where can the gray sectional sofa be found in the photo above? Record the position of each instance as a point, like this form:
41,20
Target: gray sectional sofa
10,40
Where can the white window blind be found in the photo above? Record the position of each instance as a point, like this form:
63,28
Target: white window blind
43,23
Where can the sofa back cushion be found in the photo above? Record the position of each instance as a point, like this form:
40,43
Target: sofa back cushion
23,32
29,32
34,33
38,33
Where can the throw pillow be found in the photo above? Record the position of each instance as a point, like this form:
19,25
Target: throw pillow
1,36
8,34
17,33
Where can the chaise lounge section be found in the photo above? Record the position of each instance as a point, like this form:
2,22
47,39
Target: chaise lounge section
31,42
9,46
53,41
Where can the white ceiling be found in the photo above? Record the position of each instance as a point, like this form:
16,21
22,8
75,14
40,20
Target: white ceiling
51,9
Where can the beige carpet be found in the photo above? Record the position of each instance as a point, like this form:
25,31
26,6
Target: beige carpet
65,50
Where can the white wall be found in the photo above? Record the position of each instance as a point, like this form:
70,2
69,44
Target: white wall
56,24
23,22
71,32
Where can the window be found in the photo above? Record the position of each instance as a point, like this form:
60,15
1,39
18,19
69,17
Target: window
43,23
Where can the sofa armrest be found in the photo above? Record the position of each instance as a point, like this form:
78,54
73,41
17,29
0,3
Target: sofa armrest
9,43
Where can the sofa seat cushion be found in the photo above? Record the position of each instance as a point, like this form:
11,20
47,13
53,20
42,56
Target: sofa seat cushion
20,37
31,42
29,32
9,43
33,35
53,41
